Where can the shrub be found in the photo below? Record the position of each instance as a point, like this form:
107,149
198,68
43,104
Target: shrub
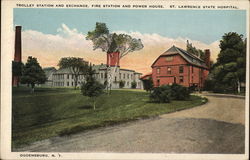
121,84
133,85
192,88
179,92
161,94
148,84
166,93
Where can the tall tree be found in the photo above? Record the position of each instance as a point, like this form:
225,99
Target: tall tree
197,52
91,87
112,42
77,66
230,68
33,73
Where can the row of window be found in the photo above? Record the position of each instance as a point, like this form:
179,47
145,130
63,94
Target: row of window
102,75
181,70
129,76
68,76
181,80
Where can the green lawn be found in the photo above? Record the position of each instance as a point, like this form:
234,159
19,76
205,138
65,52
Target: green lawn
60,111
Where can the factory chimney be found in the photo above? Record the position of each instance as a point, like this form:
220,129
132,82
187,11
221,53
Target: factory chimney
18,53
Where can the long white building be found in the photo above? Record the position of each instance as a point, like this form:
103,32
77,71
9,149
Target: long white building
64,77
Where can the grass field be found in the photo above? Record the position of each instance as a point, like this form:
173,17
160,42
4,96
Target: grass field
60,111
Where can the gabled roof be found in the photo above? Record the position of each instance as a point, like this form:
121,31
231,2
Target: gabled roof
190,58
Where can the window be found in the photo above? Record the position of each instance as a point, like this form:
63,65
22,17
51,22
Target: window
169,70
169,58
67,76
115,79
101,75
105,75
67,83
120,75
128,76
128,83
181,69
124,76
72,83
181,79
158,70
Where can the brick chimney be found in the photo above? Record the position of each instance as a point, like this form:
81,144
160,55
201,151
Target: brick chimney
207,57
18,45
18,53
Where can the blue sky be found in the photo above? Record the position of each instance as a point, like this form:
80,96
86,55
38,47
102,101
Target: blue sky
206,26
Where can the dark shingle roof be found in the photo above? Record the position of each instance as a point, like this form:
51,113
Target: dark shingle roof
187,56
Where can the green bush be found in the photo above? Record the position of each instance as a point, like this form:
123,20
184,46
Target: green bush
148,84
166,93
179,92
121,84
133,85
161,94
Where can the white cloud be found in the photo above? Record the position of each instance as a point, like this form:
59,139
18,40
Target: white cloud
50,48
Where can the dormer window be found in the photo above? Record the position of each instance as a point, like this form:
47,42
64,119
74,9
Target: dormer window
169,58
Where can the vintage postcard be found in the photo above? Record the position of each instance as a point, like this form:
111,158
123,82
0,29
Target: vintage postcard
125,80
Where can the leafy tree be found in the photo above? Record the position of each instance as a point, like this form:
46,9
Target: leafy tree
33,73
17,69
112,42
76,65
91,87
230,69
121,84
133,84
198,52
148,84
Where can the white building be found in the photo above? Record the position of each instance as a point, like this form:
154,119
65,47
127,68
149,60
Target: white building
119,74
64,77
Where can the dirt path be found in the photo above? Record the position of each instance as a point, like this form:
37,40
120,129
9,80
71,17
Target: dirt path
216,127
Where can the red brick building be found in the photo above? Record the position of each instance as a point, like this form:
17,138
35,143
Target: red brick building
178,66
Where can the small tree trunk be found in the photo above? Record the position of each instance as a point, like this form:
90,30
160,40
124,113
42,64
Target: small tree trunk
32,87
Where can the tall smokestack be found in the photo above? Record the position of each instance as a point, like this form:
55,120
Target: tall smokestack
207,57
18,45
18,53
